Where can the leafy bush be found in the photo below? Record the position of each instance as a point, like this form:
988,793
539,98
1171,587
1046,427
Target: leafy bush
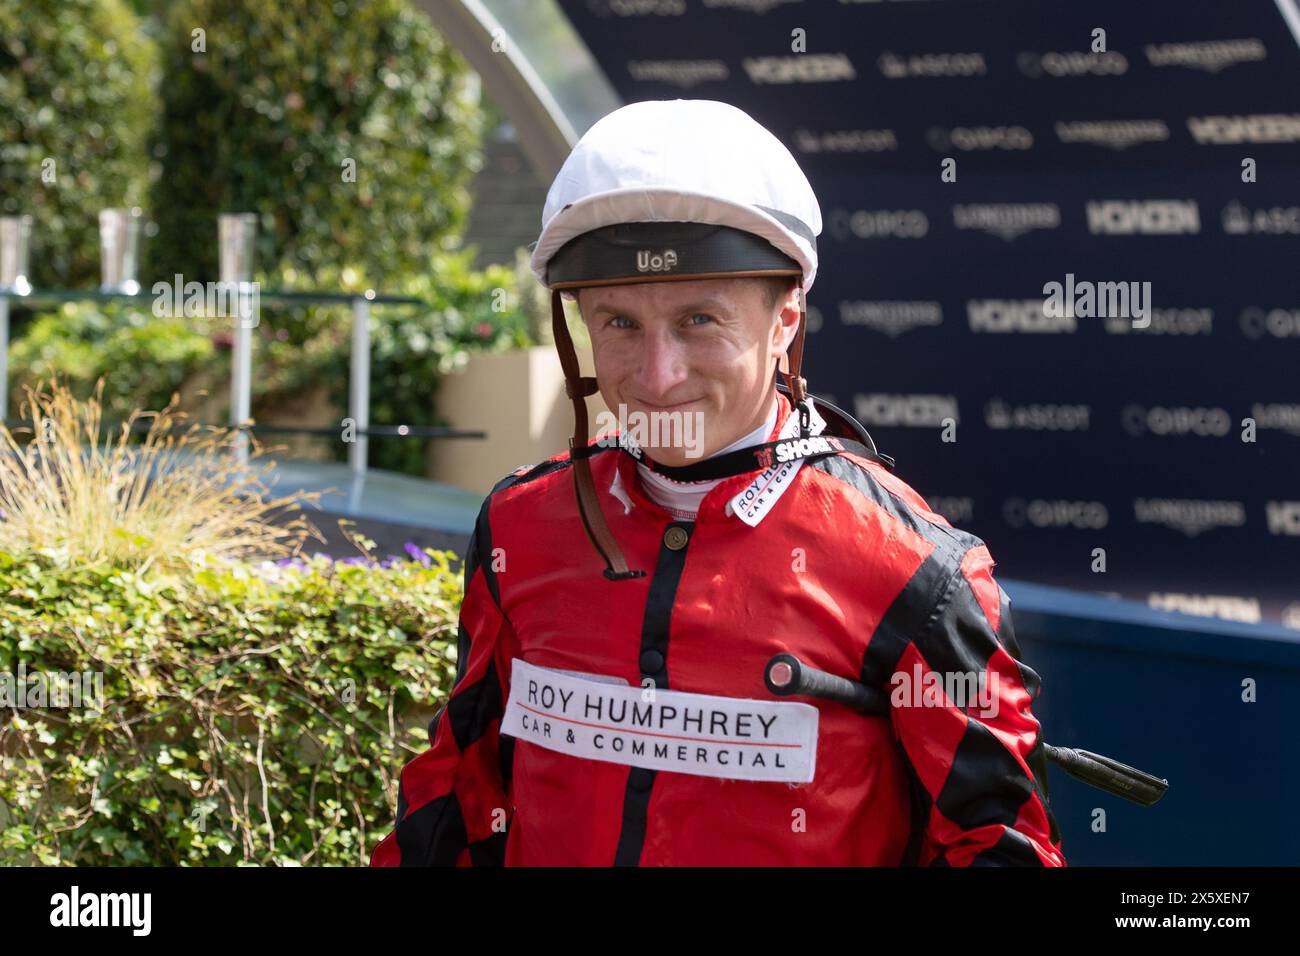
263,119
240,710
141,359
75,89
412,349
261,720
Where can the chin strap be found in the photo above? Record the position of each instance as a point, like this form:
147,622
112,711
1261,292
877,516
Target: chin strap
793,379
578,386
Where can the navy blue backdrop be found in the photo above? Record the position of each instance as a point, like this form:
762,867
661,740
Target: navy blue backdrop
1050,437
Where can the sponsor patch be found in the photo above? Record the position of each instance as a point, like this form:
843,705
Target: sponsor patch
700,734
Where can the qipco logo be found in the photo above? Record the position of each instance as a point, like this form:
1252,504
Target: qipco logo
647,261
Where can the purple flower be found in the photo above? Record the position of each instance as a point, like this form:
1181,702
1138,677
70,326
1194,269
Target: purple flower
417,553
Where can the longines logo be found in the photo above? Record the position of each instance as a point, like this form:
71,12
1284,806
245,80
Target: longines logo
1284,418
648,261
1113,134
891,318
683,73
1007,220
1153,217
1210,55
1191,517
1260,128
802,68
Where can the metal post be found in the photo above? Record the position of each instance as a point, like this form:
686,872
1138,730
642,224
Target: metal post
359,383
4,357
241,382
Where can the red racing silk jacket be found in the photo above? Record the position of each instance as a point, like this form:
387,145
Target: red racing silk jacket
850,571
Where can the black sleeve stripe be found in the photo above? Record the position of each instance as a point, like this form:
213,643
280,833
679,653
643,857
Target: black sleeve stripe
433,835
958,637
1037,756
1013,849
473,709
490,851
985,784
921,804
907,615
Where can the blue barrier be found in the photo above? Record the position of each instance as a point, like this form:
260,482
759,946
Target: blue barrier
1163,692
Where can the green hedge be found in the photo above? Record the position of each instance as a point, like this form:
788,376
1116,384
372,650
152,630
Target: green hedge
142,359
263,721
263,119
75,88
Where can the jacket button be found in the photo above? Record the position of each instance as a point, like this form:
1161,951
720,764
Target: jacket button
652,662
676,537
641,779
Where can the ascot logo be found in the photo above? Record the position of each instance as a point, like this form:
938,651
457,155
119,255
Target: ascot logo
1190,516
1165,322
846,141
897,67
648,261
1276,220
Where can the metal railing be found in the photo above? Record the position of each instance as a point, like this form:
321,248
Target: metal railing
241,363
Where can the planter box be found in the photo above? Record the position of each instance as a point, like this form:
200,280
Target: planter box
518,399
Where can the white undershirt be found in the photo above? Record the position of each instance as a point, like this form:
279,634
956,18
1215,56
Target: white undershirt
682,499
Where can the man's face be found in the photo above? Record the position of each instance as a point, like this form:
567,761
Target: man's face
696,357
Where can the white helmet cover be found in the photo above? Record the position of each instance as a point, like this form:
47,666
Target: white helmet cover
682,161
